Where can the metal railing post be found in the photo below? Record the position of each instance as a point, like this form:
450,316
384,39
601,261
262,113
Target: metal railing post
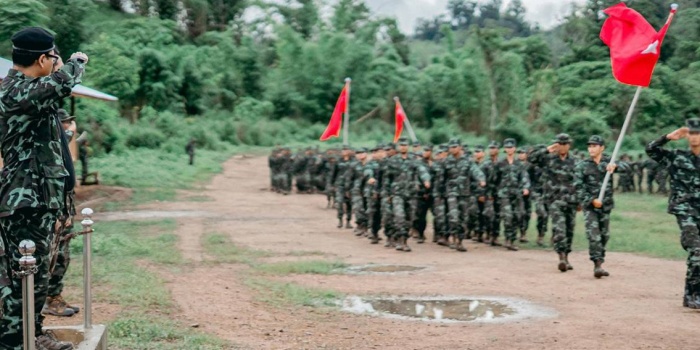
27,264
87,268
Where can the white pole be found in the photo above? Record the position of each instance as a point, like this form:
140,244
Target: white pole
623,131
346,128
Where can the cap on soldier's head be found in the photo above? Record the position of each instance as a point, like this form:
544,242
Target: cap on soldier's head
509,143
416,143
494,144
347,148
33,39
361,150
442,148
64,116
428,147
478,148
403,141
693,124
596,140
454,142
563,138
522,150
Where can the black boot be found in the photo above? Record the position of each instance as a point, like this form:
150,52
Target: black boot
340,223
562,262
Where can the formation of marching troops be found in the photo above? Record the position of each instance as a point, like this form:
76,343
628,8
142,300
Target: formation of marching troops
472,194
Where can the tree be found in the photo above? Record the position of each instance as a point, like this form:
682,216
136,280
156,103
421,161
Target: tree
167,9
17,14
350,15
462,13
302,15
116,5
67,22
197,17
222,12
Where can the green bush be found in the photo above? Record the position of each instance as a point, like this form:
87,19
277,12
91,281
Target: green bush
145,138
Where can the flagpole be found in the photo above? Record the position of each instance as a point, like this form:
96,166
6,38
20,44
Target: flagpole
625,125
407,122
346,129
620,138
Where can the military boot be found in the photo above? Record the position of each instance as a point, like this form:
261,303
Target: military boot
406,248
523,238
359,231
56,306
598,269
48,341
562,262
480,237
340,223
540,241
494,242
568,264
375,240
399,243
510,245
460,247
347,225
389,242
443,242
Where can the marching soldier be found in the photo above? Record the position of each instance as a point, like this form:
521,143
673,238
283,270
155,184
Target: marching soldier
493,208
372,192
437,174
424,199
559,193
527,199
512,183
342,190
356,177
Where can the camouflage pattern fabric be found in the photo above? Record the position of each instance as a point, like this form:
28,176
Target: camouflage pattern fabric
460,173
343,203
357,175
437,174
402,188
510,180
372,197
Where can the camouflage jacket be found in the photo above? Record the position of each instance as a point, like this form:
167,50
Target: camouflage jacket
535,174
422,191
341,167
684,168
558,173
34,173
356,177
373,171
399,176
460,173
589,179
437,175
487,167
510,179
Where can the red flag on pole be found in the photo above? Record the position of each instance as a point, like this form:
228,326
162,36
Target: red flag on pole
634,44
336,123
400,116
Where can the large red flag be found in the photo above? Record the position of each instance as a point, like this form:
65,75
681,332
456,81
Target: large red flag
400,116
635,46
336,123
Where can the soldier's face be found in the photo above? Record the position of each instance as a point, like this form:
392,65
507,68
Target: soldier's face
564,148
493,152
694,139
522,156
416,149
454,150
427,154
510,151
361,156
403,149
479,154
595,150
378,155
346,153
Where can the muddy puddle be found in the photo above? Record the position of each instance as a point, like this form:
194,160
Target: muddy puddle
381,269
448,309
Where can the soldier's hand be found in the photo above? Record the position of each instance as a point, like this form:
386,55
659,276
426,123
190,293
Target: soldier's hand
80,56
526,192
426,184
597,204
371,181
482,199
611,167
553,148
482,184
678,134
388,199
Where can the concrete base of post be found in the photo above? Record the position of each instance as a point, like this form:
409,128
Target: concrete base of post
90,339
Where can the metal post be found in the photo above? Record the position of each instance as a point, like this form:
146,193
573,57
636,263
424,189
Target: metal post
27,264
87,271
346,127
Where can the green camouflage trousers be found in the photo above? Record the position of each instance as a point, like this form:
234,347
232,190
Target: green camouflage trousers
495,224
689,224
526,213
420,221
37,225
563,222
388,216
456,215
440,217
343,204
402,215
374,214
303,182
359,208
597,232
61,265
473,218
542,210
510,214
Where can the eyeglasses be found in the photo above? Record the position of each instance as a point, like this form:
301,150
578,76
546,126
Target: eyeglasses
53,57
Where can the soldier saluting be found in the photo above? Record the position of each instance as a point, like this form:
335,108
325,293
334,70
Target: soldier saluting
684,201
35,177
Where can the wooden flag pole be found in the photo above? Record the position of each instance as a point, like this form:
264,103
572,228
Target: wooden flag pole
346,129
408,123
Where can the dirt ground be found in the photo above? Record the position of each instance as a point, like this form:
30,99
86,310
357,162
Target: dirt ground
638,307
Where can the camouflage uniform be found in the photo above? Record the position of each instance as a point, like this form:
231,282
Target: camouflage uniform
437,175
559,193
492,208
301,168
537,195
626,176
527,200
652,168
684,203
356,178
329,170
482,214
424,199
638,167
343,202
372,197
460,173
387,211
32,186
510,180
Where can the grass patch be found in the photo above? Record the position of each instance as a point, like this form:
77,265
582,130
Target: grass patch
639,224
280,293
225,251
149,332
317,267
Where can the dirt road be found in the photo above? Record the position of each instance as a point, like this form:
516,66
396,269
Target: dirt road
638,307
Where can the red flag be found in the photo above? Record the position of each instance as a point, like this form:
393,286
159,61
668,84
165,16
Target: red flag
400,118
336,123
634,44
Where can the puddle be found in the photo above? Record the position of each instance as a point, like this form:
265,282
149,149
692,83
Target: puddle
448,309
372,269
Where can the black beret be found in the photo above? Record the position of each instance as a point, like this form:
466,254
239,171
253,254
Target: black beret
33,39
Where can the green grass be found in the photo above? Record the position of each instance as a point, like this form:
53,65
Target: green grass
122,253
281,294
220,246
638,224
316,267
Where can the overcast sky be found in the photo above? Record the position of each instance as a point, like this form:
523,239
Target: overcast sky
545,12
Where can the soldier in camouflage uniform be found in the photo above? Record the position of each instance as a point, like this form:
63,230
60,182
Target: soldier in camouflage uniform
272,165
356,177
479,217
661,179
651,167
329,170
302,170
589,179
285,165
511,181
638,167
460,173
437,175
385,195
626,176
424,198
343,204
399,177
37,172
492,207
372,192
537,195
559,193
527,199
684,200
